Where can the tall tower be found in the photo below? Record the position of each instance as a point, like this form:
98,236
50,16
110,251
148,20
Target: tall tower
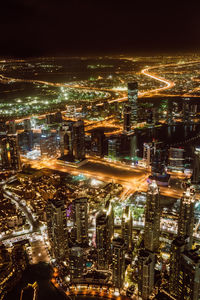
189,284
28,135
147,153
177,248
4,161
103,240
57,228
176,159
81,220
118,262
114,146
13,154
98,142
196,166
132,100
78,140
186,216
127,118
146,264
110,215
66,138
76,262
127,226
152,218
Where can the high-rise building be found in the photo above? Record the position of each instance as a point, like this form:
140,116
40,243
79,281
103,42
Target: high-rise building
146,264
2,126
58,117
57,228
13,152
186,115
26,140
176,159
134,146
27,124
147,153
50,118
127,227
127,118
186,216
48,144
158,164
65,134
189,279
4,146
78,140
102,241
152,218
81,220
76,263
110,213
132,100
118,262
11,127
98,142
178,246
104,233
196,166
114,145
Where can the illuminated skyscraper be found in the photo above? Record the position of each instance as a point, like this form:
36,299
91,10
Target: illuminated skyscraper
48,144
4,161
13,152
110,214
66,138
57,228
76,263
177,248
98,142
176,159
158,158
186,216
103,241
189,284
127,118
152,218
196,166
118,262
104,235
127,227
146,264
114,145
78,140
132,100
27,135
147,153
81,220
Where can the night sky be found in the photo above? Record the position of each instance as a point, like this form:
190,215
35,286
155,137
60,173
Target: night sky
64,27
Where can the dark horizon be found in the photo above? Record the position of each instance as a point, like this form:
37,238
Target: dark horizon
42,28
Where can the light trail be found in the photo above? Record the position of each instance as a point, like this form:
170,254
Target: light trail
168,84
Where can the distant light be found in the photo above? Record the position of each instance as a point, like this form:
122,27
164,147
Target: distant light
95,182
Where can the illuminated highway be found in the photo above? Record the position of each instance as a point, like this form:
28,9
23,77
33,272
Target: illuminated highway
132,179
